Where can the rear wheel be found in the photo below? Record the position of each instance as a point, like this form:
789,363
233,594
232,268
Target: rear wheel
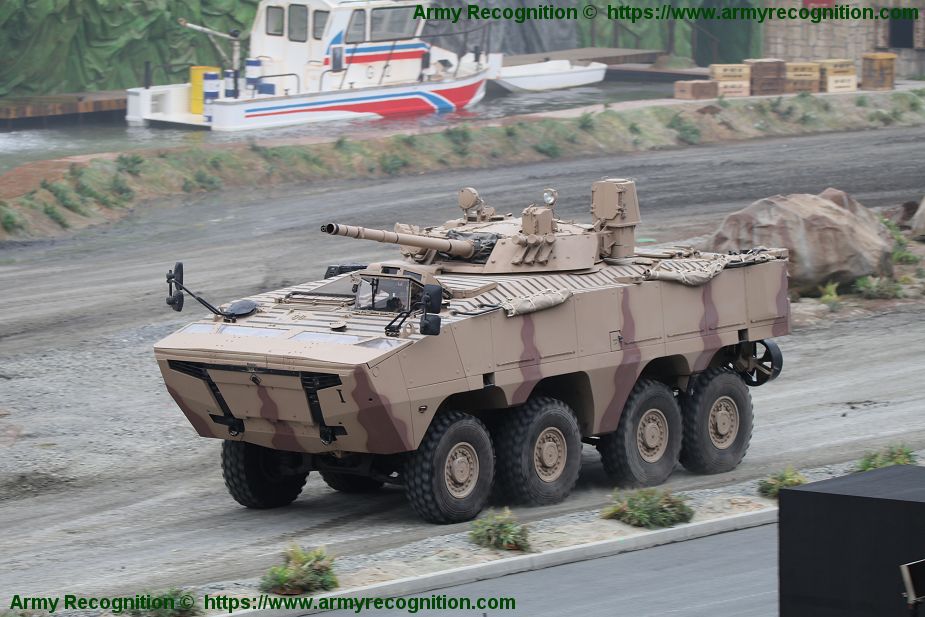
448,478
644,449
539,452
350,483
259,477
718,422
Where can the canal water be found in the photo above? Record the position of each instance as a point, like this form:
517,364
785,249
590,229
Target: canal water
62,139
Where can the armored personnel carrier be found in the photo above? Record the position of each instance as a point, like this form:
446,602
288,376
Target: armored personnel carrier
485,357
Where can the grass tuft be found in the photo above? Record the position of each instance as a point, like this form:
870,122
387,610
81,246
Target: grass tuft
878,288
548,147
770,486
130,164
302,572
501,531
649,508
687,131
391,163
896,454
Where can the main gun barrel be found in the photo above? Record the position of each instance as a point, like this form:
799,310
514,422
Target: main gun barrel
458,248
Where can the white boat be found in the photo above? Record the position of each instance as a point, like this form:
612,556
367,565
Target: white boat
315,60
549,75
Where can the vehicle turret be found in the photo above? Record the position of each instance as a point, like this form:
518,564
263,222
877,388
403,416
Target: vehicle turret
483,241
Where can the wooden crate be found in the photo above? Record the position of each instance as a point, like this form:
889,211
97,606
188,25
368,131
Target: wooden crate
695,89
837,67
794,86
839,83
803,70
728,88
767,85
765,68
878,71
730,72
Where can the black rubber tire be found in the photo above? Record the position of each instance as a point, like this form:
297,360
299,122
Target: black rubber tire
698,453
425,483
350,483
620,454
516,478
249,476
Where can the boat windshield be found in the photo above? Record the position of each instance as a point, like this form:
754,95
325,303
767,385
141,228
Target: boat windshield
391,295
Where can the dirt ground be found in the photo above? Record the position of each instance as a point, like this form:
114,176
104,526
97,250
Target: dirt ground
104,487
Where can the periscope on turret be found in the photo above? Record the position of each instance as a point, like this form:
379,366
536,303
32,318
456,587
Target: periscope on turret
486,356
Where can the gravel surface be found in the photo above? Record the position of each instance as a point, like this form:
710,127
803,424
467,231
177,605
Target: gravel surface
105,488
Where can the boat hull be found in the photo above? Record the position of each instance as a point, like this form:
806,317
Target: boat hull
541,76
277,111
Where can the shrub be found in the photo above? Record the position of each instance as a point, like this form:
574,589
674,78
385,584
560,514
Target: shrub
510,131
75,171
392,163
586,121
770,486
341,143
649,508
188,186
830,296
88,192
460,137
302,572
548,147
722,101
878,288
901,254
64,196
121,188
891,455
54,214
171,597
878,115
9,220
805,96
920,273
807,118
500,531
207,181
634,129
687,131
861,101
129,163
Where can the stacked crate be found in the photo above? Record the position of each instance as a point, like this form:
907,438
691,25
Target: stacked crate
731,79
695,89
878,71
837,75
802,77
768,76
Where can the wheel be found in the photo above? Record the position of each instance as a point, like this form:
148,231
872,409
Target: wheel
350,483
717,422
538,452
644,449
256,477
448,478
763,366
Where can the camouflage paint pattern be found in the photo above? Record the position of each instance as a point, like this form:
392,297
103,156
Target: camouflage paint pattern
379,394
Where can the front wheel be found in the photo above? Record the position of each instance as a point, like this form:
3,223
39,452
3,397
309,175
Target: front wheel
259,477
644,449
448,478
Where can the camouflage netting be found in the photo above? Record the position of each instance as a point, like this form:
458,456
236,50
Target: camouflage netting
49,46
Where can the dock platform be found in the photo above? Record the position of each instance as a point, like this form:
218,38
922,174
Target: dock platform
51,105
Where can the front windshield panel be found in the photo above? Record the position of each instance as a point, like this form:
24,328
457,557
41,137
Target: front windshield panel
390,295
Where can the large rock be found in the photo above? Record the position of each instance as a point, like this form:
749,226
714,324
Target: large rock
831,237
917,223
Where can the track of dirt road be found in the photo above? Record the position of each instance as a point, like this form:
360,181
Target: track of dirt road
104,487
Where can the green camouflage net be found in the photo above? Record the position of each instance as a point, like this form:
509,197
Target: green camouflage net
54,46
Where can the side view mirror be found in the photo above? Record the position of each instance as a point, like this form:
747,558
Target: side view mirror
430,324
433,298
174,286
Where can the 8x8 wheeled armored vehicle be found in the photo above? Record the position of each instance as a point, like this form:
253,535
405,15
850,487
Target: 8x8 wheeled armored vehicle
486,355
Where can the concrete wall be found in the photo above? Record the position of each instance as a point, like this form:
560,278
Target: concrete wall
799,40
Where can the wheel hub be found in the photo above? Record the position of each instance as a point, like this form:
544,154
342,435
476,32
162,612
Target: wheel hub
549,454
724,422
462,470
652,435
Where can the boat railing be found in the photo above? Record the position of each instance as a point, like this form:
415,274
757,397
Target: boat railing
298,80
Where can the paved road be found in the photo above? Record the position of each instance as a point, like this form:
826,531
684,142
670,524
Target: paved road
727,575
104,487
